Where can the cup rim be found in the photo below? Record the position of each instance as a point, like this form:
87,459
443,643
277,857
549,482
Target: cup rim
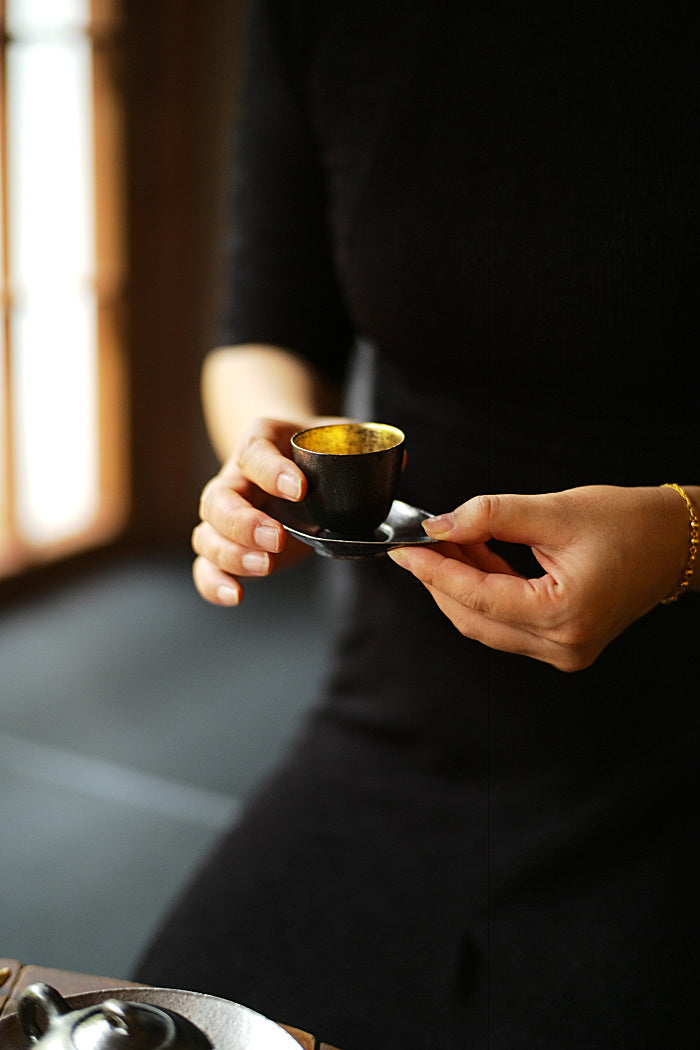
360,425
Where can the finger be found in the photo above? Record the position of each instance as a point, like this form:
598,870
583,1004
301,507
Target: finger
478,627
232,558
214,585
479,555
232,516
503,597
517,616
525,519
516,640
261,461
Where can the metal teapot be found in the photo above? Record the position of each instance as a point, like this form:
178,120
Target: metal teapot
49,1023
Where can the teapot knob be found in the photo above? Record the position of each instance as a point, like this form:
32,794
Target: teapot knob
38,1007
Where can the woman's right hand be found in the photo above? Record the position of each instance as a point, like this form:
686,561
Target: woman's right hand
235,538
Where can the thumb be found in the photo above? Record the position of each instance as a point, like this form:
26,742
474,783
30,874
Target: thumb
514,518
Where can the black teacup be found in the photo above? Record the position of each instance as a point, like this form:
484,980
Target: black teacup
352,470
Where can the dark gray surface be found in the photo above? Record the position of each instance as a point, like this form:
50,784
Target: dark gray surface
134,719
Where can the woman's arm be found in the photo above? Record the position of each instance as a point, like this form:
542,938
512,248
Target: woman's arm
240,383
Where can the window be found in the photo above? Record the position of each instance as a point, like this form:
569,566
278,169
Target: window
62,411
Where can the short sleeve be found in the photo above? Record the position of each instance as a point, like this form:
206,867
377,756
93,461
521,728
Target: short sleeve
280,285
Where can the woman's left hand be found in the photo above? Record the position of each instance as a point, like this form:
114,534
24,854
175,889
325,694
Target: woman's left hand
609,555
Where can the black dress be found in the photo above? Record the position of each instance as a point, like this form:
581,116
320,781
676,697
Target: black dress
468,849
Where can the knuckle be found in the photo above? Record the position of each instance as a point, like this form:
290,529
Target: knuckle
201,578
488,505
206,581
228,562
196,575
572,660
208,498
488,502
473,601
575,636
255,461
196,538
222,556
213,550
249,449
472,630
578,645
576,633
204,500
229,527
199,572
472,596
244,451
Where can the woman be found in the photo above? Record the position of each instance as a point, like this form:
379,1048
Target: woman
480,839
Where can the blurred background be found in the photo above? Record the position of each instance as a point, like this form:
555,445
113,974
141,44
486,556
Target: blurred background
134,718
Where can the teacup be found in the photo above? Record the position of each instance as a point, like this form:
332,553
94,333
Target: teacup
352,470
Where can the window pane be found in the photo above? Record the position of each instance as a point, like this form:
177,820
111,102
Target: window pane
51,261
55,426
24,16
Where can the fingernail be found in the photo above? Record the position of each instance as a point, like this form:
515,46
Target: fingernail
266,537
398,555
289,485
439,526
255,561
227,595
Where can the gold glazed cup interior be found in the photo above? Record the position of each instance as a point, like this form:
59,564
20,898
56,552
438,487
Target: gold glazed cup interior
349,439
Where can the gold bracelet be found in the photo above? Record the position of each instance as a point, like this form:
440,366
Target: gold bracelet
693,545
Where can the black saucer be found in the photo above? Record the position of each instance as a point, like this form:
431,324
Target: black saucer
402,528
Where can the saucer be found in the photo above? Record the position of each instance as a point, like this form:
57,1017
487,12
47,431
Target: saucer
402,528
